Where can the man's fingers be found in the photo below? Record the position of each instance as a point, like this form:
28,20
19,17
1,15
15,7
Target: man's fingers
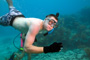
60,44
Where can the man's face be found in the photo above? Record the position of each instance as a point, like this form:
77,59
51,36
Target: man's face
50,23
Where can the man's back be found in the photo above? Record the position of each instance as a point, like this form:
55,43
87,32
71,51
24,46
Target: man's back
23,24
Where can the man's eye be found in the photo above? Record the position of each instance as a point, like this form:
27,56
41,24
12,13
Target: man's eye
52,21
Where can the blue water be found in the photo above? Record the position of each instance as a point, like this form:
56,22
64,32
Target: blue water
41,8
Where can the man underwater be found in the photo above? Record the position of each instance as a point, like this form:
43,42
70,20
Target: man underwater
31,27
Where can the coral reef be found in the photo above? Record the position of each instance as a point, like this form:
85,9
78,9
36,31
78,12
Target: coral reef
76,54
73,31
87,50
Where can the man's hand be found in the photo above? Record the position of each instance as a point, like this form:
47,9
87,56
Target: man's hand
55,47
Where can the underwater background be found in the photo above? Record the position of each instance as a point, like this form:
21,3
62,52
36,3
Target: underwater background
73,30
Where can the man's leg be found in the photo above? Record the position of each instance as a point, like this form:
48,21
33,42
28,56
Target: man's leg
20,56
29,56
10,3
3,19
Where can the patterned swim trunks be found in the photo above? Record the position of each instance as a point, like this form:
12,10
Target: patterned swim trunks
7,19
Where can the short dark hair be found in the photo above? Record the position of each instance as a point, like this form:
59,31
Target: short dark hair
55,16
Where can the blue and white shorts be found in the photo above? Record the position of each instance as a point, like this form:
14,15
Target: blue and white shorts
9,17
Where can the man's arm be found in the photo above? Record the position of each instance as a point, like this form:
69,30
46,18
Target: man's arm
30,37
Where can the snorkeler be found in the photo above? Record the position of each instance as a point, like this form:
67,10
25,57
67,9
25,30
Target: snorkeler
31,27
